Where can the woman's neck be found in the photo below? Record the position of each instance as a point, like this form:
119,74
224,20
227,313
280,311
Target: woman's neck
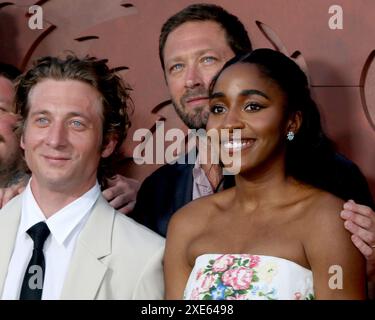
264,186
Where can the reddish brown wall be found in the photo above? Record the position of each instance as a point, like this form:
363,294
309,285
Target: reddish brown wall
128,36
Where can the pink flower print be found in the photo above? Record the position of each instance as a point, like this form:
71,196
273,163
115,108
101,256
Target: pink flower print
223,263
297,296
238,279
238,297
241,297
254,261
207,282
199,273
195,294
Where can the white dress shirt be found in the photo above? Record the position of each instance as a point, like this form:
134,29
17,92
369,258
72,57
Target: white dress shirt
65,226
201,185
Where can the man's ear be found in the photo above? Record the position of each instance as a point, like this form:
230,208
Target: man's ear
109,147
21,143
295,122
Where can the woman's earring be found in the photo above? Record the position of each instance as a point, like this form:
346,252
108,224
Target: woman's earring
290,135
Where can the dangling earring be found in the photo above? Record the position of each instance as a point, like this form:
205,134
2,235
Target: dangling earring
290,136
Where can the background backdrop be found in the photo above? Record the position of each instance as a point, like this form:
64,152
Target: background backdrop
339,61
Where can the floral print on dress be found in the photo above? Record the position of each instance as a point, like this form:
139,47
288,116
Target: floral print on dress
238,277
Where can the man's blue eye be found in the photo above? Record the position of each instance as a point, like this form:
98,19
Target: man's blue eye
76,123
176,67
42,121
208,59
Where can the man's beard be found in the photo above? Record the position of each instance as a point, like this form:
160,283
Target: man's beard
197,118
10,162
8,167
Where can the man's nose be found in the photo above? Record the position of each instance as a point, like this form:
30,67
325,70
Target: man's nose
57,135
193,78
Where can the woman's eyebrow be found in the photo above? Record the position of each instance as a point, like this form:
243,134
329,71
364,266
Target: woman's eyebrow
250,92
217,95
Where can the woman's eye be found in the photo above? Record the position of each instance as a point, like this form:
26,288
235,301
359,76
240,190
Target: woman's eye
217,109
253,107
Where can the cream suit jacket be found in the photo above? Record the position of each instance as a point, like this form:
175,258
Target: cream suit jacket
114,258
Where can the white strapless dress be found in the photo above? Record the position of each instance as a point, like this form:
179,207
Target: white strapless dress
248,277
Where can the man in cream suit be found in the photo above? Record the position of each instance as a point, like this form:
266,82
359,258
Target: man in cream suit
60,239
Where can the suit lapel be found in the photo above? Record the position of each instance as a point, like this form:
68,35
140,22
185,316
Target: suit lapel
86,270
9,222
184,187
184,181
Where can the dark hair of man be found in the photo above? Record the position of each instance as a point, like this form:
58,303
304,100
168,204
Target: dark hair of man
9,71
236,34
310,156
114,93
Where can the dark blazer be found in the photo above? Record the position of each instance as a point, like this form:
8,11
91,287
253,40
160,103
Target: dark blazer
164,192
171,187
348,182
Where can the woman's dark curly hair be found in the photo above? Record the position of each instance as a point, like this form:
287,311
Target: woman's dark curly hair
114,93
310,156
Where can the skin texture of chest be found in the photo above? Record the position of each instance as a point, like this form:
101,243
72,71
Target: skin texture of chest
280,234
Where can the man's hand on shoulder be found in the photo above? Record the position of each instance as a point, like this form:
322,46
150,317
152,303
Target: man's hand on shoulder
122,193
6,194
360,221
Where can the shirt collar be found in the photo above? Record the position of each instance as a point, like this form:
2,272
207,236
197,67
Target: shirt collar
199,175
64,221
197,170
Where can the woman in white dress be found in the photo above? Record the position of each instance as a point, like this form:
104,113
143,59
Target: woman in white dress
277,234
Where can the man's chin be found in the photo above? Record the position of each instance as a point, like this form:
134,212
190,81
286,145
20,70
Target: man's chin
193,119
54,183
198,120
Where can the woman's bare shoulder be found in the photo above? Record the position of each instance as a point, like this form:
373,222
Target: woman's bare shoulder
194,216
323,206
327,243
